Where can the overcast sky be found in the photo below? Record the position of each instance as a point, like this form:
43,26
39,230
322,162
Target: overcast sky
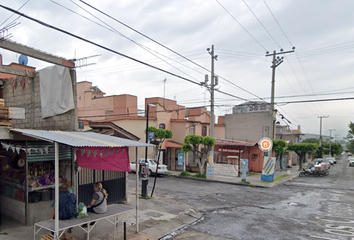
321,30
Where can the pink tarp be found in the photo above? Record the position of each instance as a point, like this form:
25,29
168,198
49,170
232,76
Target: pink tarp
113,159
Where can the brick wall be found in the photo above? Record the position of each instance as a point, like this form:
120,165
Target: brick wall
29,98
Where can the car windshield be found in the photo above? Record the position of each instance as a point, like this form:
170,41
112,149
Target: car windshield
152,162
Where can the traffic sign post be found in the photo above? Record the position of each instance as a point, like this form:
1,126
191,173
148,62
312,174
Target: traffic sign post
266,145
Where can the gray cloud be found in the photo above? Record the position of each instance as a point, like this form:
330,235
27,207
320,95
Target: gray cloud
188,26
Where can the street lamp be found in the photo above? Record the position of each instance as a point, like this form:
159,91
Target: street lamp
145,181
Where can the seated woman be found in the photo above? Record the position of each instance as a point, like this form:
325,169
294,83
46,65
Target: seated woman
99,200
98,203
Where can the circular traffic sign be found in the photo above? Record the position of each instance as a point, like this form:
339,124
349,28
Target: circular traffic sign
265,144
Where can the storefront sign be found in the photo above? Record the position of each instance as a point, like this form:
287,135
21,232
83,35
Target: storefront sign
180,159
222,170
265,144
268,169
252,108
100,158
151,136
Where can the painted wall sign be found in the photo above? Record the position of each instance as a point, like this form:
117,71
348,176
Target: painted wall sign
222,170
268,169
180,159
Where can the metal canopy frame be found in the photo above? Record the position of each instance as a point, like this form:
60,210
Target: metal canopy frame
80,139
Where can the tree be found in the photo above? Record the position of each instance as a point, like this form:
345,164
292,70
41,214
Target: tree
200,146
350,137
160,135
311,140
301,149
350,146
279,147
324,149
336,149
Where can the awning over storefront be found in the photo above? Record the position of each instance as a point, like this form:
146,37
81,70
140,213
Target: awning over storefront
235,145
114,159
173,144
95,151
80,139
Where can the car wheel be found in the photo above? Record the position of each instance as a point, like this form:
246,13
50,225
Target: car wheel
150,172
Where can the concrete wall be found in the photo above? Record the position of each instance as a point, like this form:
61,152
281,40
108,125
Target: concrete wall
219,131
137,127
14,209
250,127
94,106
29,98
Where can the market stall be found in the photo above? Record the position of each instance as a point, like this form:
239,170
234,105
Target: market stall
34,194
62,156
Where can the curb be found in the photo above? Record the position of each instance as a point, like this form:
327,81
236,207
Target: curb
177,231
218,181
171,229
273,184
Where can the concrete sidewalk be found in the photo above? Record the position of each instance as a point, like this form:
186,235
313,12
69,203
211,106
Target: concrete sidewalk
252,180
158,217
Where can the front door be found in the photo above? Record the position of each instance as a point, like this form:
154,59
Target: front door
169,158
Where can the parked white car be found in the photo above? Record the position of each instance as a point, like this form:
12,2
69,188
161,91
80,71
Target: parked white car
152,167
332,160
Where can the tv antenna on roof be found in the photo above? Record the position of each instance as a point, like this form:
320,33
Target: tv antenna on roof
82,62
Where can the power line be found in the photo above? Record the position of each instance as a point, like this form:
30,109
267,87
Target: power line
277,22
232,16
139,44
109,49
160,44
297,78
294,119
238,52
303,69
14,14
110,28
260,22
96,44
130,66
142,34
317,100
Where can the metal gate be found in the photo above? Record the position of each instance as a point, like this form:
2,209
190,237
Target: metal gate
113,182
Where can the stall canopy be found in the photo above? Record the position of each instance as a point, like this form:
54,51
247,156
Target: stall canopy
89,147
95,151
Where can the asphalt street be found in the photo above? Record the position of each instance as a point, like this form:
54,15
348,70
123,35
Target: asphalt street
303,208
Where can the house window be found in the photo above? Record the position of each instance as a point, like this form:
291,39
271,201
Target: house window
162,126
192,130
204,131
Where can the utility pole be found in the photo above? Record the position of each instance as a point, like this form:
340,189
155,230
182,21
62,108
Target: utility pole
164,91
321,117
275,63
145,181
330,140
213,83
